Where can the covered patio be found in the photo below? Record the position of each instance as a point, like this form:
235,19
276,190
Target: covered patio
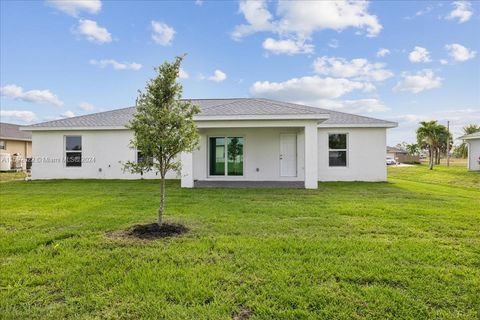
251,152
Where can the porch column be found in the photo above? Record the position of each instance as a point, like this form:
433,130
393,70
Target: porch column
311,156
186,158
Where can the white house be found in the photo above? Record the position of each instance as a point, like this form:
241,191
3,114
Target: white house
473,142
247,140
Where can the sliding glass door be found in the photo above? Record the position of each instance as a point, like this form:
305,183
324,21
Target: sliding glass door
226,156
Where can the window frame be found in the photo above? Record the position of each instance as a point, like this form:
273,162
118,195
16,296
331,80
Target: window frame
66,152
347,153
226,137
4,144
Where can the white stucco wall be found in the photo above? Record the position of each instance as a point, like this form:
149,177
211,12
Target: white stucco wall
365,155
261,151
109,149
473,154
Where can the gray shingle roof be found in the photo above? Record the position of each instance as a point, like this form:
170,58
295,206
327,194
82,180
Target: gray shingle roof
218,107
11,131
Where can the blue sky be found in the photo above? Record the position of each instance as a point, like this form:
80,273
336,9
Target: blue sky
65,58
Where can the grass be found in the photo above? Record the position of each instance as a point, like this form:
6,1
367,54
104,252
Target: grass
408,249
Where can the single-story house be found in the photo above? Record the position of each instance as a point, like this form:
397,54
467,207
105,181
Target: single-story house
248,140
402,156
473,142
15,144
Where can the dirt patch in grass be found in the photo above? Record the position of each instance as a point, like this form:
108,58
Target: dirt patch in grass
151,231
242,314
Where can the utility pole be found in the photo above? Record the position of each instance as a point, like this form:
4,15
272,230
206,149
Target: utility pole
448,144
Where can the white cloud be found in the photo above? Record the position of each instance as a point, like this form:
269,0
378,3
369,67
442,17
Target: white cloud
67,114
86,106
218,76
421,81
162,33
443,61
116,65
334,43
358,69
74,7
459,52
419,54
92,31
382,52
36,96
198,2
302,18
183,74
23,116
309,88
298,20
463,11
289,47
353,106
258,17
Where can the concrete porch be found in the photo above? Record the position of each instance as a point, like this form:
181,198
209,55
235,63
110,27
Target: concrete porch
248,184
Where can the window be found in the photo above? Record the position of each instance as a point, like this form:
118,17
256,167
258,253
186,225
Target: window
226,156
3,145
337,150
73,151
140,157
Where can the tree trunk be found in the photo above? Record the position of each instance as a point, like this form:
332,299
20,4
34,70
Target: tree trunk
161,210
430,150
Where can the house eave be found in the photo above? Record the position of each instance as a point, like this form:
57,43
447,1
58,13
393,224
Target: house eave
264,117
352,125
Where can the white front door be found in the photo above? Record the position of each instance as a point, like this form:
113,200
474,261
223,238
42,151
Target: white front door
288,155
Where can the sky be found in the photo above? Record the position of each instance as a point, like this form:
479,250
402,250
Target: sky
404,61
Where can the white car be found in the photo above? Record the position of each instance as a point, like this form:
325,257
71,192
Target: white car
390,161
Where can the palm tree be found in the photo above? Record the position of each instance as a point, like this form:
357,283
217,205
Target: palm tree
428,138
462,149
412,149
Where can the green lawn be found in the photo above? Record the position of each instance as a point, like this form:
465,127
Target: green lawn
408,249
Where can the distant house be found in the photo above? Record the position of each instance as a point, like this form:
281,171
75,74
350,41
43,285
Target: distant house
16,143
401,155
274,142
473,142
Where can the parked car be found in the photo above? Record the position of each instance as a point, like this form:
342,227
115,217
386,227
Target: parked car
391,161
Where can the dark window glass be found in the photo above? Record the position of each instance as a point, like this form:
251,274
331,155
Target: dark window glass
140,157
337,158
73,143
337,141
217,156
74,159
235,156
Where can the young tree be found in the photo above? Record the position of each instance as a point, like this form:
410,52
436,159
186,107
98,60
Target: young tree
162,126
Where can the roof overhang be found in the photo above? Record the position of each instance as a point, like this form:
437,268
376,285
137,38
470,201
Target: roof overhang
322,116
351,125
469,137
72,128
15,139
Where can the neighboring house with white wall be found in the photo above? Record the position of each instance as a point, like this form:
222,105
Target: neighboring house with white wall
473,142
240,140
